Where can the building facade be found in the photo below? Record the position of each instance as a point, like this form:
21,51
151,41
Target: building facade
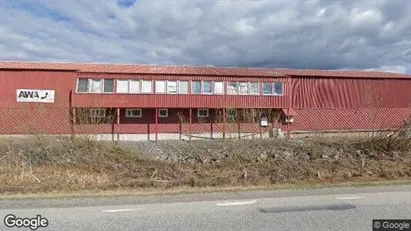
134,102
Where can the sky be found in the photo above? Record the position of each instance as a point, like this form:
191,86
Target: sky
316,34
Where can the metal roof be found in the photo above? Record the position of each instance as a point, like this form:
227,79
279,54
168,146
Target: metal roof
191,70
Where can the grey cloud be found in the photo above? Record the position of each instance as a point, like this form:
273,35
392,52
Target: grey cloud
319,34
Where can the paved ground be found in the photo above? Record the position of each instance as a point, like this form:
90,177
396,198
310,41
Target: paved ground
321,209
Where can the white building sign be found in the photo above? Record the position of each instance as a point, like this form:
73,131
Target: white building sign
35,96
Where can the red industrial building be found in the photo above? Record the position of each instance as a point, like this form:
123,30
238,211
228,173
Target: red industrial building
155,101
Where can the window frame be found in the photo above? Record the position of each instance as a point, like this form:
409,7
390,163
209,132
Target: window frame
282,89
232,110
258,88
159,112
128,86
272,88
93,113
202,87
203,109
192,87
188,87
237,89
151,88
87,87
103,86
165,86
133,109
223,82
177,87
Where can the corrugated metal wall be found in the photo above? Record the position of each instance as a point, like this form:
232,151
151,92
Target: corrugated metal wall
350,93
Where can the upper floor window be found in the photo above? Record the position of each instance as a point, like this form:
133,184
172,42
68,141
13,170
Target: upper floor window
243,88
85,85
135,86
273,89
172,87
183,87
278,89
219,87
82,85
196,87
146,86
232,88
254,88
268,89
123,86
160,86
207,87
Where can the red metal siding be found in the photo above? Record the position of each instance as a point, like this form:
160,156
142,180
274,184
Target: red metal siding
349,119
61,82
351,93
23,118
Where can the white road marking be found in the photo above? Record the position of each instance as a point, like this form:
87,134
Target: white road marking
349,198
120,210
236,203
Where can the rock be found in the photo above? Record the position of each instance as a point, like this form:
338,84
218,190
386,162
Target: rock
286,154
263,156
337,156
358,152
324,156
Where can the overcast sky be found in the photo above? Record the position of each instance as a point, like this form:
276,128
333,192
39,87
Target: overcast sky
321,34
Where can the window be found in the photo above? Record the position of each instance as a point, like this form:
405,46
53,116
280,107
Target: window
108,85
135,86
122,86
172,87
232,88
133,113
98,113
95,85
218,87
183,87
82,85
163,113
268,89
160,86
202,113
254,89
278,89
243,88
231,113
207,87
146,86
196,87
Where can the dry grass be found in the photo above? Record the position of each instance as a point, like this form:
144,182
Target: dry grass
41,165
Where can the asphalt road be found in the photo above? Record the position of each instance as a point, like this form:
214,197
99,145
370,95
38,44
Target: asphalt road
321,209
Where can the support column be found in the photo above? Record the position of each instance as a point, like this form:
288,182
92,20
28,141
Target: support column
118,122
224,122
190,120
156,124
73,123
252,122
289,106
238,124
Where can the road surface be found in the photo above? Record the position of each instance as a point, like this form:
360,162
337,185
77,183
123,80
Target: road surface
316,209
